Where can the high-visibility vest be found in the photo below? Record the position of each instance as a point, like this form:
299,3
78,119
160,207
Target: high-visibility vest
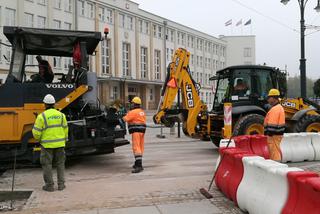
51,129
275,121
136,120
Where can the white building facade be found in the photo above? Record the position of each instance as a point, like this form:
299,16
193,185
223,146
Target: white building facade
132,60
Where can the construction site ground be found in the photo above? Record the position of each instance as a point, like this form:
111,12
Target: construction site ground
175,170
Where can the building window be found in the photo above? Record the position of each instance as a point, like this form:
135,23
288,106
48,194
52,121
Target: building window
115,92
67,26
157,64
68,5
197,61
247,52
201,45
146,24
144,62
105,56
41,22
130,23
172,35
201,61
101,14
167,54
28,18
122,20
141,26
159,31
42,2
57,4
154,31
192,42
151,94
171,54
192,59
82,11
109,16
57,62
183,39
56,24
126,59
10,17
90,11
206,62
178,38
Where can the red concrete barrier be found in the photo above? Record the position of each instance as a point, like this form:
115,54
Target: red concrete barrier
243,142
259,145
230,172
304,193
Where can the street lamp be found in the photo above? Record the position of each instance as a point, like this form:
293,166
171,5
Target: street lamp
303,79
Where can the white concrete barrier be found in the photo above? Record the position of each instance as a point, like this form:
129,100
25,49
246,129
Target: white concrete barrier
296,147
315,140
264,186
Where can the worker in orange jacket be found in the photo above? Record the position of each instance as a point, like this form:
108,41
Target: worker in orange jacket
136,119
274,124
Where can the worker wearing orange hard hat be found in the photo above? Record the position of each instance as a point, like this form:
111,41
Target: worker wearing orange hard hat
274,124
136,119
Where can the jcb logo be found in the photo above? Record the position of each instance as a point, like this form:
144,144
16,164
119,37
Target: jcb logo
189,96
289,104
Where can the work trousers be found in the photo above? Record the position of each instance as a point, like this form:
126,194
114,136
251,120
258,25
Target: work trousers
274,147
138,145
53,157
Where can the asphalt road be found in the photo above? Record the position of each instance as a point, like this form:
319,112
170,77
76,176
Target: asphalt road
175,170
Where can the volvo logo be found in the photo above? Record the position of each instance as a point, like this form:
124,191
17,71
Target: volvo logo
66,86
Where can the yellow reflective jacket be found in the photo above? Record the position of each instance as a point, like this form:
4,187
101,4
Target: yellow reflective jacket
51,129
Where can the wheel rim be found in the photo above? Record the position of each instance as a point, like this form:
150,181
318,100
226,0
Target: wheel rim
313,127
255,129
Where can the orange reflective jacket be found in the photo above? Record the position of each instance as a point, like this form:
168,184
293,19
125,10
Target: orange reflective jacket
136,120
275,121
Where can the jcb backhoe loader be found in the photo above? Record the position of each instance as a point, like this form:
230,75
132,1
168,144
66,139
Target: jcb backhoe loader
245,87
92,130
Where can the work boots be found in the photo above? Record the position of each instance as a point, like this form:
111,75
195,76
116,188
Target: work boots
48,188
137,167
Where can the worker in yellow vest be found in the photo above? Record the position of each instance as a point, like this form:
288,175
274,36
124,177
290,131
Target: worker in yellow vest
51,131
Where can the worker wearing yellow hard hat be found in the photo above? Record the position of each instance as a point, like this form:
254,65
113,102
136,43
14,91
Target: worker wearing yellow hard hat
274,124
136,119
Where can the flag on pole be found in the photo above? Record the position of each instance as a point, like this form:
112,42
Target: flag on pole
248,22
239,22
228,23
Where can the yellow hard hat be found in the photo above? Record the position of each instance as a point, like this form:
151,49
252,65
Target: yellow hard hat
136,100
274,93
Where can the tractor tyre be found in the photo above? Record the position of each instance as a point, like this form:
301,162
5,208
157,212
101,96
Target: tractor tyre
251,124
308,123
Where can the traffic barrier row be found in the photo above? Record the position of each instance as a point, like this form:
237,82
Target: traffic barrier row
295,147
258,185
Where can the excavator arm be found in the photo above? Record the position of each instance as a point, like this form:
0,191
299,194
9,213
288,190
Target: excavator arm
192,108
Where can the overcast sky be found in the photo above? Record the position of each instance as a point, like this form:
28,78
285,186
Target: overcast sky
277,43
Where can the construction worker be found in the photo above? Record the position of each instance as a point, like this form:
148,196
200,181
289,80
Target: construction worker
136,119
274,124
45,71
51,130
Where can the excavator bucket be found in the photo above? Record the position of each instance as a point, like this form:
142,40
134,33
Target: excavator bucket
172,83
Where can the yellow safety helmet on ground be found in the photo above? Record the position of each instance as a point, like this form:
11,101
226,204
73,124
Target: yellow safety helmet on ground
274,93
136,100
